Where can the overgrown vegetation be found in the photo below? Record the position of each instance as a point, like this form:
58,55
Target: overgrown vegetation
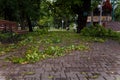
11,41
42,44
100,31
33,54
9,37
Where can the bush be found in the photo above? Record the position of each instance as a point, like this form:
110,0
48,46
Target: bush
9,37
41,31
98,31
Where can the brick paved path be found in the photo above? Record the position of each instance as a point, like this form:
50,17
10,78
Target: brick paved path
102,62
113,25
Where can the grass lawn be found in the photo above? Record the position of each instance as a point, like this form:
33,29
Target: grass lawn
39,45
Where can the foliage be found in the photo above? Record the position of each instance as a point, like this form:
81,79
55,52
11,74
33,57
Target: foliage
60,11
56,40
39,47
78,47
117,11
9,37
55,44
22,11
11,41
46,21
94,4
54,51
46,18
93,39
12,9
33,54
41,31
99,31
117,15
7,48
8,9
74,7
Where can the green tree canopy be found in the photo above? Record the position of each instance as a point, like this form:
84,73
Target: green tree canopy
117,11
20,10
78,7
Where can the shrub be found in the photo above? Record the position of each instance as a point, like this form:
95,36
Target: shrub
98,31
42,31
9,37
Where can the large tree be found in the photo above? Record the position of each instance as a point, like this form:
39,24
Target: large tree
82,12
29,11
79,7
61,12
8,9
20,10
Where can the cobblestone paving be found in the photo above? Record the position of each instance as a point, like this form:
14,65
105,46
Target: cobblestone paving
113,25
102,62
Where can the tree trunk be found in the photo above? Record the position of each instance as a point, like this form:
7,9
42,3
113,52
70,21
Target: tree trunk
92,15
6,13
29,24
81,22
22,24
82,15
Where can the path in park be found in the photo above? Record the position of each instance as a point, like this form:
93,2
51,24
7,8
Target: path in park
102,62
113,25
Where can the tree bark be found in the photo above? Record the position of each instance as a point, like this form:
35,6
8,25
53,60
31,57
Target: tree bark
92,15
82,20
29,24
83,14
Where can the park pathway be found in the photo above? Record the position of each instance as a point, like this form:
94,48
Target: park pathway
101,62
113,25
